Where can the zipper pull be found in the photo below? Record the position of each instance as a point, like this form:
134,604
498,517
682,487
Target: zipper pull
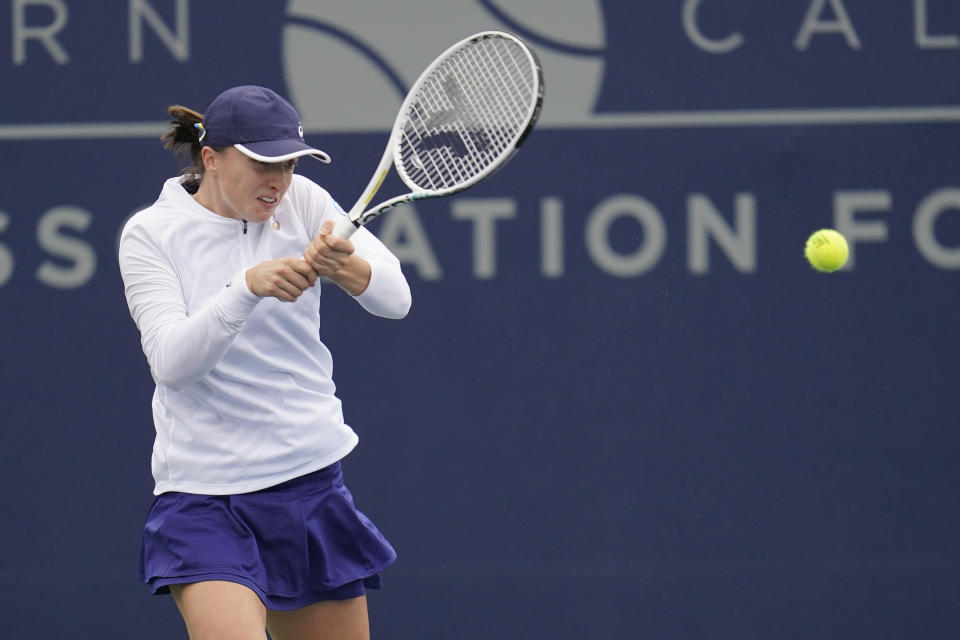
244,227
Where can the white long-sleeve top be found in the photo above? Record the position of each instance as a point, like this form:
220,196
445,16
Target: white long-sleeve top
244,395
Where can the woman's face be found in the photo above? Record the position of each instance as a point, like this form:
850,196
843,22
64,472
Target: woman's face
237,186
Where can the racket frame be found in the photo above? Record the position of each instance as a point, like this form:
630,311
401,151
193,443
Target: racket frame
358,215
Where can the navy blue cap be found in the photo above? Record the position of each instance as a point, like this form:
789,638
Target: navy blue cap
257,122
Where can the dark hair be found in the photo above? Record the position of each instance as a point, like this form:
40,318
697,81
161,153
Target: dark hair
183,138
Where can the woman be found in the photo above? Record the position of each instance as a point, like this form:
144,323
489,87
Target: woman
252,526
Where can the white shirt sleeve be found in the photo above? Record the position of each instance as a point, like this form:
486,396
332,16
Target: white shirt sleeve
179,348
387,294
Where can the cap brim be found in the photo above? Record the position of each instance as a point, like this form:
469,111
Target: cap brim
280,151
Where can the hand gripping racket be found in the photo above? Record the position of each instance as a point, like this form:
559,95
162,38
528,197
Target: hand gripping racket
463,119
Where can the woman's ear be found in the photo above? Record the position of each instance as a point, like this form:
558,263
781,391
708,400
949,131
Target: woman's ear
209,158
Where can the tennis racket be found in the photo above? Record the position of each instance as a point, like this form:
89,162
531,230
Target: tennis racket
463,119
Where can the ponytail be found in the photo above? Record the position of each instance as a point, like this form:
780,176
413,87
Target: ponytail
183,138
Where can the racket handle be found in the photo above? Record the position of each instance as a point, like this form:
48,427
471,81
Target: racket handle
344,228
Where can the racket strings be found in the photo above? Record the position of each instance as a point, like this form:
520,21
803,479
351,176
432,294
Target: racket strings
509,86
499,110
432,136
476,125
467,114
492,83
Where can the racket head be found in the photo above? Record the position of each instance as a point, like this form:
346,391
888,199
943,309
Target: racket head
467,113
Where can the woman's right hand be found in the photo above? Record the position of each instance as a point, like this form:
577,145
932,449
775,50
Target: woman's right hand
284,278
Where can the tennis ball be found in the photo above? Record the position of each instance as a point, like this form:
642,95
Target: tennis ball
826,250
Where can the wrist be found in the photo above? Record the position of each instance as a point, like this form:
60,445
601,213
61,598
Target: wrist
354,277
248,281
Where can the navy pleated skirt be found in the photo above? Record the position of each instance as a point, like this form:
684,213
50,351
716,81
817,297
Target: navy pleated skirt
294,544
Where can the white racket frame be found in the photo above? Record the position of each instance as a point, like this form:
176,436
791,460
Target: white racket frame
358,216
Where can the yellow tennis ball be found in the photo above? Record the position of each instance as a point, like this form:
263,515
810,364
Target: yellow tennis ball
826,250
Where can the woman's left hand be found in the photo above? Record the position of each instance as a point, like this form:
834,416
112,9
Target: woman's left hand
333,258
328,254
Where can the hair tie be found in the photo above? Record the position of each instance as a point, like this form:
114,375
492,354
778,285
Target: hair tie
203,132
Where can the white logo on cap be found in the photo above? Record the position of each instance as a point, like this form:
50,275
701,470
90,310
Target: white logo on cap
300,129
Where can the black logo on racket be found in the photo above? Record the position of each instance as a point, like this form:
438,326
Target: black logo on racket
452,128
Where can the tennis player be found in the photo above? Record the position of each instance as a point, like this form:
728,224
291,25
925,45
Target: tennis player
252,527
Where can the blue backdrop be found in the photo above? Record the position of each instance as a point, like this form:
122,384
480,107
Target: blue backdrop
622,405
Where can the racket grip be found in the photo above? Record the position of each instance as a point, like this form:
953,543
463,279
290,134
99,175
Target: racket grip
344,228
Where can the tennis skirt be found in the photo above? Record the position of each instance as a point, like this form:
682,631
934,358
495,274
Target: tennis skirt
293,544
